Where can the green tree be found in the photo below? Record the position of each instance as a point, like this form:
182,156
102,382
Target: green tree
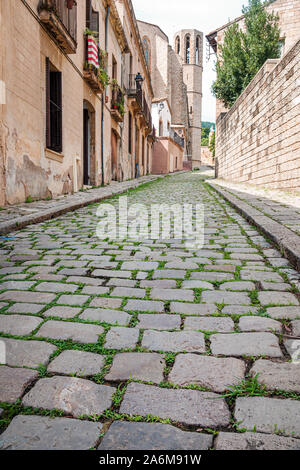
212,145
243,53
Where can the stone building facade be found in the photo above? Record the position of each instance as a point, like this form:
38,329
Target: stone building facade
289,24
258,140
61,125
177,87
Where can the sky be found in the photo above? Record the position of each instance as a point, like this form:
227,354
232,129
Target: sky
203,15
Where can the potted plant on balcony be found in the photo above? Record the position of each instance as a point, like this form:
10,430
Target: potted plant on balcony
70,4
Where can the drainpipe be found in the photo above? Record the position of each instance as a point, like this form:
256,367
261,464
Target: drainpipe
103,98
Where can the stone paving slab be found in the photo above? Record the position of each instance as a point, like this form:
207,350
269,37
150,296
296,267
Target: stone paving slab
121,338
193,309
246,344
20,325
269,415
152,436
255,441
74,396
106,303
215,374
148,367
13,382
28,297
81,363
62,312
219,324
188,407
145,306
43,433
104,315
159,322
226,298
284,312
78,332
277,375
172,294
248,324
277,298
189,341
27,353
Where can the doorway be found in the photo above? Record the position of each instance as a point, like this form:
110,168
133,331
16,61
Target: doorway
89,158
114,156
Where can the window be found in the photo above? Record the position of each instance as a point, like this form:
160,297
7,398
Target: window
177,45
147,50
281,47
114,69
198,42
53,108
187,49
92,17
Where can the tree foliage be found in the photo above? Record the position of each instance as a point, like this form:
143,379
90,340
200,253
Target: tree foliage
212,145
244,52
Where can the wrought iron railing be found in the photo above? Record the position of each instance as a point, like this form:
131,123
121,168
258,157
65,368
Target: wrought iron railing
66,12
179,140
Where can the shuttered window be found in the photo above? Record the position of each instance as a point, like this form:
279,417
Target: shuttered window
92,17
53,108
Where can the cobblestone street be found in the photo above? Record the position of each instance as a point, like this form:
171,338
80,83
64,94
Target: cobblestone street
149,345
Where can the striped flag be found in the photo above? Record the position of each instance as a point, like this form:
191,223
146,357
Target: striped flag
93,52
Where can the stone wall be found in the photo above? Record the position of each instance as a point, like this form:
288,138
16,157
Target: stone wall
206,157
258,140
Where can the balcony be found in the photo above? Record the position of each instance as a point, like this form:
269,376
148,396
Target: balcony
137,101
97,78
173,135
60,19
117,109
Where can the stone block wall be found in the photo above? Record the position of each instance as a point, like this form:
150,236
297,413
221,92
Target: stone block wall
258,140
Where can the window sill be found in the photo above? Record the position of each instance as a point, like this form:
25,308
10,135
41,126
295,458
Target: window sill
52,155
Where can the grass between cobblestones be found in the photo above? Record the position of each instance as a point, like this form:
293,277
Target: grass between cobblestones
75,232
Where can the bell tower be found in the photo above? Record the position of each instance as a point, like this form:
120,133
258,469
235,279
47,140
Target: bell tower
188,45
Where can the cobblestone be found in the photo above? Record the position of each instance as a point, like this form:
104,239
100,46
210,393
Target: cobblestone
60,282
216,374
154,436
138,366
74,396
13,382
188,407
43,433
174,342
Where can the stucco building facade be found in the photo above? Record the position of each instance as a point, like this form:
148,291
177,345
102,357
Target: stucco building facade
177,85
62,126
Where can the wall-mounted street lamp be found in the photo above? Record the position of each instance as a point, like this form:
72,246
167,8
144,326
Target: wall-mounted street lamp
139,81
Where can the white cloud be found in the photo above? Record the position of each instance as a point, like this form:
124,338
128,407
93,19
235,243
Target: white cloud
203,15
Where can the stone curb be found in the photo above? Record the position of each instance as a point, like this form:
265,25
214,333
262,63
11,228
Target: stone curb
20,222
286,240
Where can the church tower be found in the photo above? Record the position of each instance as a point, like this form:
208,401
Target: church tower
188,45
